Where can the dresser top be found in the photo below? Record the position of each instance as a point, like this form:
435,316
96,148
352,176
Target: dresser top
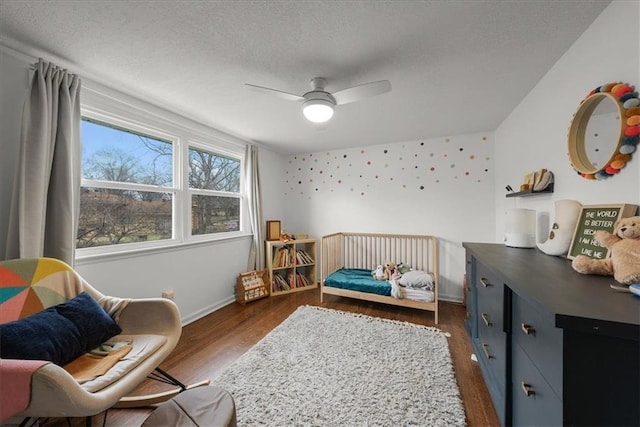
551,281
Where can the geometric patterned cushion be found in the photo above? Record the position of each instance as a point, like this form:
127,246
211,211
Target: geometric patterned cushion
27,286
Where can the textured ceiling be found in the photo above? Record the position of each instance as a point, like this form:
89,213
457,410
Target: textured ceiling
455,66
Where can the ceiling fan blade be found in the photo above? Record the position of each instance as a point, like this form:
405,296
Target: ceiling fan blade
357,93
281,94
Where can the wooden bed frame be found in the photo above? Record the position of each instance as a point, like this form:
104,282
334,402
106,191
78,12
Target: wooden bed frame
366,250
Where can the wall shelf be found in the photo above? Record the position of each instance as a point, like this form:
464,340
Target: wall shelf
528,193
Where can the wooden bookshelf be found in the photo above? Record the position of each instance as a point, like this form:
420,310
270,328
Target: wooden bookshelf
252,285
291,265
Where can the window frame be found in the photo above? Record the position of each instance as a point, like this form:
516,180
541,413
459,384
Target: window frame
183,134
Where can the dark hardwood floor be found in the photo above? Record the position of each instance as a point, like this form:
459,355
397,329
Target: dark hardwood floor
210,344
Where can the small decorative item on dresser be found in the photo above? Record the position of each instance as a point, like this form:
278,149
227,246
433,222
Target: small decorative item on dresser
273,230
252,286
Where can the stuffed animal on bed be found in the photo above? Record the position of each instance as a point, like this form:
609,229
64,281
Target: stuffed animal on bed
624,262
389,269
378,273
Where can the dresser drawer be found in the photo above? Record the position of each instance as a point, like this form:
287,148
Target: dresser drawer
489,292
534,331
492,351
470,292
533,401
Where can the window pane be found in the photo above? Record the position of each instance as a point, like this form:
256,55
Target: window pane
214,214
208,171
110,217
113,154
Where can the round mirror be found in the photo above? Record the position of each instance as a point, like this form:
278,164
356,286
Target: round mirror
605,131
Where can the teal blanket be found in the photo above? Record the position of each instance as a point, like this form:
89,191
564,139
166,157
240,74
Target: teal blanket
357,279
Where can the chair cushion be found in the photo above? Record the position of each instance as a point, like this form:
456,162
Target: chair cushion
58,334
144,345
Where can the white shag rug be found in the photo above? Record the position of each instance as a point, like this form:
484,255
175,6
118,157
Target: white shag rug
323,367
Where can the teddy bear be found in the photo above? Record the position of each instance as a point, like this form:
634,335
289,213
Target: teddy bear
378,273
389,269
624,260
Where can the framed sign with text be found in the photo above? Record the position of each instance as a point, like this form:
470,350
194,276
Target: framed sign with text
594,218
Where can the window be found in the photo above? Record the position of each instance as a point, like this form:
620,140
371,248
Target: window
127,186
137,192
214,183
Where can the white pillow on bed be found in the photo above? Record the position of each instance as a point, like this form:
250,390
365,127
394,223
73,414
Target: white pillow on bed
416,279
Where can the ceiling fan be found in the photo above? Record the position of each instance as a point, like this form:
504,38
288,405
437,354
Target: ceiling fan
318,104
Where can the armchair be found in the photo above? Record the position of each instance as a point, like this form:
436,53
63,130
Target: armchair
151,326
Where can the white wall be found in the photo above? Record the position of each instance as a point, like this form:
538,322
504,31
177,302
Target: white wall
13,91
202,275
373,191
441,186
534,135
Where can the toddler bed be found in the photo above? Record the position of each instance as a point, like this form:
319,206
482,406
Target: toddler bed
347,260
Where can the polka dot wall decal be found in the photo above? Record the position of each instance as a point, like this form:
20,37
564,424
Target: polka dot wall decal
472,156
446,140
431,154
299,182
422,187
432,169
453,165
369,163
361,151
344,156
422,144
385,151
461,149
466,173
484,138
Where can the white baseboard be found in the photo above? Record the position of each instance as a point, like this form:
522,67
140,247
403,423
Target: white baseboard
206,310
450,298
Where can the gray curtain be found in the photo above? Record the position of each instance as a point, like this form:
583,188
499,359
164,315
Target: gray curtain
46,195
254,200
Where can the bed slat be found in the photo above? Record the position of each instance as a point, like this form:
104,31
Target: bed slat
367,250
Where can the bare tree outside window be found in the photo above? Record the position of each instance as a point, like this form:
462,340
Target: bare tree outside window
128,193
218,209
110,216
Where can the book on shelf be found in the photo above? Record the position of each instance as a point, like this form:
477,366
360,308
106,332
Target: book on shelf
282,257
279,283
298,281
302,257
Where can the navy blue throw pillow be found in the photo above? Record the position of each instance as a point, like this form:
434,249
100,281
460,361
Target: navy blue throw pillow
60,333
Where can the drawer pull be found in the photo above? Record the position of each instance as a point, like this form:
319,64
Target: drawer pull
528,329
484,282
485,318
486,351
526,388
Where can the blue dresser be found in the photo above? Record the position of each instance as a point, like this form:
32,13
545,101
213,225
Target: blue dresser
555,347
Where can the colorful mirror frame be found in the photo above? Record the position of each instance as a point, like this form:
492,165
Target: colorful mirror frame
628,106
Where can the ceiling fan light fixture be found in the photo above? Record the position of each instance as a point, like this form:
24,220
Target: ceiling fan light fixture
318,110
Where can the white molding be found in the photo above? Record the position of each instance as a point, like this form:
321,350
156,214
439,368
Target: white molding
207,310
